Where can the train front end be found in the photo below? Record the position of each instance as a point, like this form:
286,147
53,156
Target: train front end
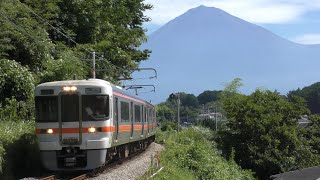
73,124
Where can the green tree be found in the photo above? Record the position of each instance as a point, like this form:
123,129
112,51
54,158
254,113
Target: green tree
312,96
15,81
22,37
164,113
63,69
113,28
313,133
209,96
188,100
263,131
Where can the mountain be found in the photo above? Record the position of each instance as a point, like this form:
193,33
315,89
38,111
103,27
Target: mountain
205,47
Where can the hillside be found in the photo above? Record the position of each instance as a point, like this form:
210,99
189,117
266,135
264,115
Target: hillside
205,47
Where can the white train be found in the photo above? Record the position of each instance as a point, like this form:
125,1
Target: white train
83,124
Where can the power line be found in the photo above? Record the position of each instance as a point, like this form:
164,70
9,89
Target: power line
23,31
45,21
66,36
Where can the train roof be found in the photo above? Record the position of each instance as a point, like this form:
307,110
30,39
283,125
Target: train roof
88,82
91,82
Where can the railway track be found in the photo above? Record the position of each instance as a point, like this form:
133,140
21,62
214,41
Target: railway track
112,164
92,173
54,177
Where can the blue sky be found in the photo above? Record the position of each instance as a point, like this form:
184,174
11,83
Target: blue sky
296,20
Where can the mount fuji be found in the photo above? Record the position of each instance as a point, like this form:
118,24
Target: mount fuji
205,47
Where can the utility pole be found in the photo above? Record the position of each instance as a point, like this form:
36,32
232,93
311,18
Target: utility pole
203,117
215,116
94,65
178,100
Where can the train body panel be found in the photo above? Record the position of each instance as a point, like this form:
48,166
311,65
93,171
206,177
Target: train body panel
83,123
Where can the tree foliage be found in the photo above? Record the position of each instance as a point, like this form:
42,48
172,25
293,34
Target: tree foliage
22,37
57,70
188,108
209,96
312,96
165,113
15,81
312,133
263,131
189,100
113,28
193,151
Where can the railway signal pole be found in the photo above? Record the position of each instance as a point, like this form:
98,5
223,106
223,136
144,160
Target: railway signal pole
93,65
215,117
177,97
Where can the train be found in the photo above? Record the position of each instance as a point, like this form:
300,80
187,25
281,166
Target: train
85,124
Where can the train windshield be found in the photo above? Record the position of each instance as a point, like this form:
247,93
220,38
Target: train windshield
69,108
46,108
95,107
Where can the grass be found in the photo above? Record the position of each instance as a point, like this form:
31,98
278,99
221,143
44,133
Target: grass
19,153
191,154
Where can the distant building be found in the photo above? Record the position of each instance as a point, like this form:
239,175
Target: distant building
303,121
210,115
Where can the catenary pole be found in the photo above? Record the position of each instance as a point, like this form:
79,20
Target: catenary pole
93,65
178,100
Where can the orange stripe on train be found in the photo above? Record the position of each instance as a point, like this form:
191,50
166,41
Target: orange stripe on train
98,129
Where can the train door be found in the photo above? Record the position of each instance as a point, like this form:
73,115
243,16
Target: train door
142,120
152,120
116,118
145,121
148,120
155,119
70,119
132,119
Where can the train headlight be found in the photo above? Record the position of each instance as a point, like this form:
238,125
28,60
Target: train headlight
92,130
73,88
49,131
69,88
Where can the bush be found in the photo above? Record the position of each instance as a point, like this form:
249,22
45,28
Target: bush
191,151
168,126
263,130
173,172
12,110
19,153
15,81
57,70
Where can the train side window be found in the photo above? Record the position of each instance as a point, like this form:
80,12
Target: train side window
137,113
145,114
150,115
131,112
116,109
124,111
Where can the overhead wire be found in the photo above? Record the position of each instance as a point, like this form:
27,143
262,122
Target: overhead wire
55,28
24,32
66,36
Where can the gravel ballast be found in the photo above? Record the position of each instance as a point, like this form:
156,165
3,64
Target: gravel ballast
130,169
133,168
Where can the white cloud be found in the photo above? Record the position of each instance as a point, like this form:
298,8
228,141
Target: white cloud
308,39
255,11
